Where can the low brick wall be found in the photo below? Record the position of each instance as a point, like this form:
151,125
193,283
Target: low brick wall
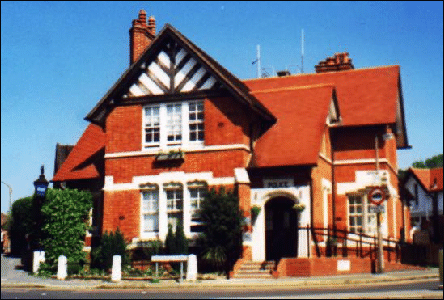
324,266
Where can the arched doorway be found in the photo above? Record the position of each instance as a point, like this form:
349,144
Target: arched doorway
281,229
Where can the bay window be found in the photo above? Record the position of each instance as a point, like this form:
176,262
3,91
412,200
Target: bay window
170,124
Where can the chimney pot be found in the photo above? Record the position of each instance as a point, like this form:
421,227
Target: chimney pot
339,62
142,15
283,73
141,35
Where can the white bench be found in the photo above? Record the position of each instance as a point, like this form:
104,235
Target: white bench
191,261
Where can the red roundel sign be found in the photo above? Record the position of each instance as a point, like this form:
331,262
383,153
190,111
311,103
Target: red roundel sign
376,196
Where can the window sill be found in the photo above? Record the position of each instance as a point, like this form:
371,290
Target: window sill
170,156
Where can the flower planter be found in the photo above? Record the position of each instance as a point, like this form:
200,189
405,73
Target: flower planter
170,156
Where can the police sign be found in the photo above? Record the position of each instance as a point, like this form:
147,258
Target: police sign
376,195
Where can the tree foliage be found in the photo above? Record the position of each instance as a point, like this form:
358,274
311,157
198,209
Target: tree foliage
429,163
111,243
222,234
176,243
65,214
20,224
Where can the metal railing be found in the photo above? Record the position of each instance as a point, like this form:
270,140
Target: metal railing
339,242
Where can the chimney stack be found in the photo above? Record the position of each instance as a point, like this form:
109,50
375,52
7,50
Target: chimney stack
339,62
141,35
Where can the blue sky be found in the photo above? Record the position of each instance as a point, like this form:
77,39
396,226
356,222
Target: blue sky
59,58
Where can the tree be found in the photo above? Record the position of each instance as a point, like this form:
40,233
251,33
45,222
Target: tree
222,233
433,162
176,243
65,221
111,243
20,224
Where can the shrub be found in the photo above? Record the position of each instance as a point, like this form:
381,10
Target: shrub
176,243
20,224
112,243
65,214
222,234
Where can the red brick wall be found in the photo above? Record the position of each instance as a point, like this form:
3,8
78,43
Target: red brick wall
244,198
122,209
322,170
357,143
225,122
124,129
221,163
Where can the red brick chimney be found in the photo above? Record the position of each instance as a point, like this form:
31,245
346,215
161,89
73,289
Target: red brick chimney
339,62
141,35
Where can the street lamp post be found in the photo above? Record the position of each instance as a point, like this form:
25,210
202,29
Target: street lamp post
41,185
378,197
10,195
379,215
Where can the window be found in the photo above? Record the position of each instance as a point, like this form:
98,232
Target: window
150,210
173,124
416,194
361,215
197,194
355,206
152,125
196,121
174,196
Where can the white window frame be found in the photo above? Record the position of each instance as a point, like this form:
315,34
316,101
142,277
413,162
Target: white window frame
174,210
149,123
369,218
149,207
183,121
201,190
198,122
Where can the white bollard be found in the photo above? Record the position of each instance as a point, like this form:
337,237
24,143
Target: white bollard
62,268
117,267
192,267
38,257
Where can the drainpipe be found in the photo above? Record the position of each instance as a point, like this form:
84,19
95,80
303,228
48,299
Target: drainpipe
333,182
311,214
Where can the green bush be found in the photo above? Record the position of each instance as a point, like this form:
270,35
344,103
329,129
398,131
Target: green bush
20,224
111,243
176,243
46,270
222,233
145,250
65,215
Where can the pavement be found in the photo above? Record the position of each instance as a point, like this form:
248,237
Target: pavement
11,277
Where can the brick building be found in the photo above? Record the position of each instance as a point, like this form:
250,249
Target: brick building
176,121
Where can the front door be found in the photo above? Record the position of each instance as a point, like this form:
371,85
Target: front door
281,229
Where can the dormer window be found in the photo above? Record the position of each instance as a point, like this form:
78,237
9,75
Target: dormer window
173,124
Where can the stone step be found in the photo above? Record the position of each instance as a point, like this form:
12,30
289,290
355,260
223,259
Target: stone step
258,270
258,267
254,271
253,276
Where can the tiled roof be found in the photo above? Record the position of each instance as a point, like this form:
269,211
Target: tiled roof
295,138
430,179
80,162
365,96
